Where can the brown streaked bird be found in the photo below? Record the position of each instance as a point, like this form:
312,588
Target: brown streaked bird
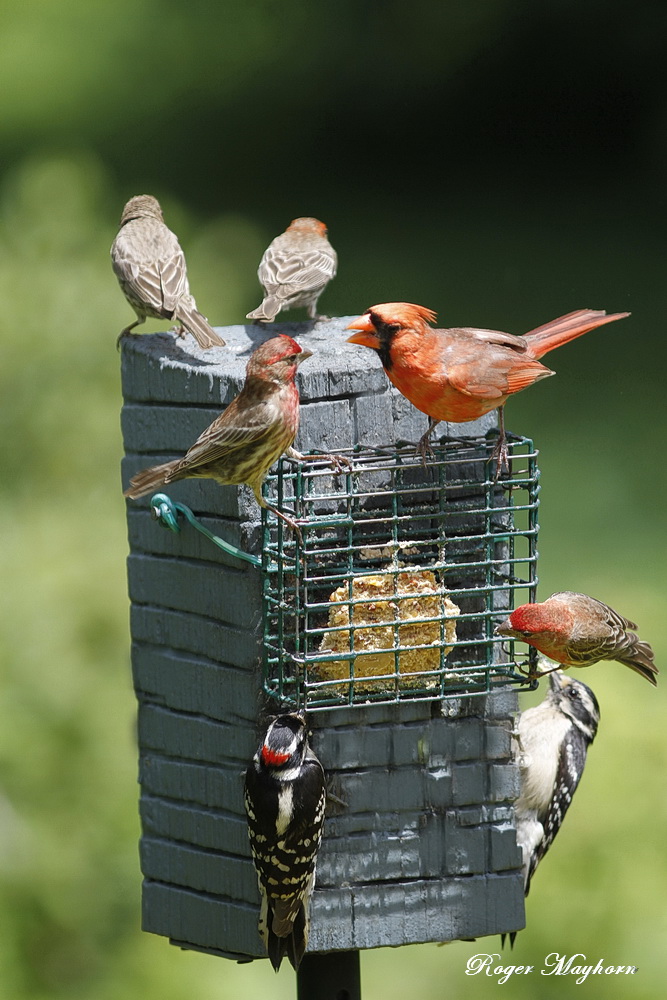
150,266
295,269
576,631
246,439
460,374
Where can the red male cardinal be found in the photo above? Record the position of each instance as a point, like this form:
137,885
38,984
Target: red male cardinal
576,630
460,374
250,435
295,269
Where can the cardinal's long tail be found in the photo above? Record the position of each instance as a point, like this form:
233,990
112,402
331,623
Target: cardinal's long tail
150,479
559,331
197,325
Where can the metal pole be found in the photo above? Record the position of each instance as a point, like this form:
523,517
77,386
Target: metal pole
331,976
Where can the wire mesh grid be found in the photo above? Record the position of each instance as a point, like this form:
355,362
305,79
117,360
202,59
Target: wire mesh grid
402,571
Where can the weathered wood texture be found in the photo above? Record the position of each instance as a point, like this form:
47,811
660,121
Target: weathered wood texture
423,846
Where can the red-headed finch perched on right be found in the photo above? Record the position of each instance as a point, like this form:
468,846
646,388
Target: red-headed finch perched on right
241,445
460,374
295,269
576,630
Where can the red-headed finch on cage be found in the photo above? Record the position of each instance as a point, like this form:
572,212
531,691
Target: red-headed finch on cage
460,374
576,631
150,266
257,427
285,799
295,269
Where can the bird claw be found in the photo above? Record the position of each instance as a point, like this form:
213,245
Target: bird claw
500,455
424,449
289,521
127,332
340,463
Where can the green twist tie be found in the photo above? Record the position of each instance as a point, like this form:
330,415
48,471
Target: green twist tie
166,511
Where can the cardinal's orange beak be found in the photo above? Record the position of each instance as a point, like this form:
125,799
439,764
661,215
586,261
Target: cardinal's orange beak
366,335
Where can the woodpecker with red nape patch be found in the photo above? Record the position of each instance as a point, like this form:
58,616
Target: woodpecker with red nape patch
285,799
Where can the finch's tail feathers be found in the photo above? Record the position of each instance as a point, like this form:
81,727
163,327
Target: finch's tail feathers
640,658
267,311
198,326
150,479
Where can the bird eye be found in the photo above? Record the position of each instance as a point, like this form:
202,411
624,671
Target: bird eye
573,693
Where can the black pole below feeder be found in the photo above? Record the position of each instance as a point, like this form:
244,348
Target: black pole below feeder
331,976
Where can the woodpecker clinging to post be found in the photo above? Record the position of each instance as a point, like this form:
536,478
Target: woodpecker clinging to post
554,737
285,798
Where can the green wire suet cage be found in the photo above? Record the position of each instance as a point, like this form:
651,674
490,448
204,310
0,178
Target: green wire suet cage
401,572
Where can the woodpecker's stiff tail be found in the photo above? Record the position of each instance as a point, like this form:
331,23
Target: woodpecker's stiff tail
150,479
559,331
292,943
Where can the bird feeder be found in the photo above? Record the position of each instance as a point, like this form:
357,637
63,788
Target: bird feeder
377,620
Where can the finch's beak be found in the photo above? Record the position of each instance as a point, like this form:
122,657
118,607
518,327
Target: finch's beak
303,356
366,335
505,628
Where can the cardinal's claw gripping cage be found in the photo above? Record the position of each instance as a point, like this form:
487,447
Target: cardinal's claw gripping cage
401,571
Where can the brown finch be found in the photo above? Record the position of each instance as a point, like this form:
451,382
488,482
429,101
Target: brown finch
250,435
295,269
460,374
576,631
150,266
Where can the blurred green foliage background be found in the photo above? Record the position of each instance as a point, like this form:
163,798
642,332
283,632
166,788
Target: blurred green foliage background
499,161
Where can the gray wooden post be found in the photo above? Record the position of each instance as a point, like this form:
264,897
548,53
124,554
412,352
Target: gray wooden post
333,976
423,848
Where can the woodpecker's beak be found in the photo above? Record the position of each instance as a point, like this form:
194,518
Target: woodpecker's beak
505,628
303,356
558,680
366,336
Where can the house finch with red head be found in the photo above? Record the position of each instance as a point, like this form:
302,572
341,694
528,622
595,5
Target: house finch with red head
576,630
150,266
460,374
250,435
295,269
